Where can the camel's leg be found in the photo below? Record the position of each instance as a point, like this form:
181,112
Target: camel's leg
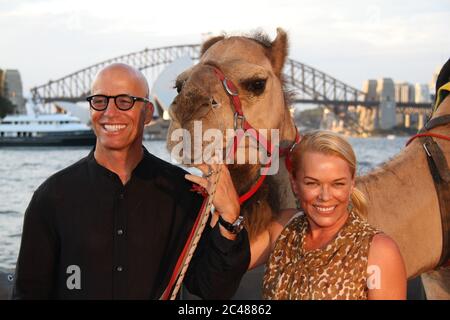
437,284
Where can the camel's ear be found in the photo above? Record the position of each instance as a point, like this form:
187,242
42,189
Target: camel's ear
279,51
208,43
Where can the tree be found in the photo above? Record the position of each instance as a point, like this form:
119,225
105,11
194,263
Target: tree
6,107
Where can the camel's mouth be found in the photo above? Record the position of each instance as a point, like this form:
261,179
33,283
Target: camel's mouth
190,150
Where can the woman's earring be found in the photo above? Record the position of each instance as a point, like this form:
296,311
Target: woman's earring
297,203
350,206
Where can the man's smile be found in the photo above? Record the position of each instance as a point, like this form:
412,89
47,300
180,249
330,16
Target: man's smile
113,127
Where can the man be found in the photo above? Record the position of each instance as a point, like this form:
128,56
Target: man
113,225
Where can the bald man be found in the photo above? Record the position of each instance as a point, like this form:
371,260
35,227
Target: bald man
113,225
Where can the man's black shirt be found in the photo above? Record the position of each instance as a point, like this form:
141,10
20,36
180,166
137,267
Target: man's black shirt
123,240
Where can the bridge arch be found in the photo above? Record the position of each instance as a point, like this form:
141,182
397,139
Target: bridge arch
310,85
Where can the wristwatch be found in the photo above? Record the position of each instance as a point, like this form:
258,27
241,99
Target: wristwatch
234,227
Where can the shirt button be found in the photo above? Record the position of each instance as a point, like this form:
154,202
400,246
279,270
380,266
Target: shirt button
121,196
119,269
120,232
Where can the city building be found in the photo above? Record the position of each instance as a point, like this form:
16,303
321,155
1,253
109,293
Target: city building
405,92
386,111
432,84
370,88
422,93
11,88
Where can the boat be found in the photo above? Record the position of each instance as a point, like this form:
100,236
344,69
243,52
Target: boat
45,130
390,136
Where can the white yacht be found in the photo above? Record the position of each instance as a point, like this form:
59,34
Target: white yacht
44,130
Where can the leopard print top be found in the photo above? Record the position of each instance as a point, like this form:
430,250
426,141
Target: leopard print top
336,271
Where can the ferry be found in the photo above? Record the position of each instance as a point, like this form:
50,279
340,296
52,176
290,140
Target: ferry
390,136
44,130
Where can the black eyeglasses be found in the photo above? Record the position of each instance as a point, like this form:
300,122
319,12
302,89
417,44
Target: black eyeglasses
124,102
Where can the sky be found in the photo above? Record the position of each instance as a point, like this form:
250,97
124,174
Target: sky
350,40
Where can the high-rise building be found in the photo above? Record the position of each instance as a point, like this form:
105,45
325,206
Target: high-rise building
386,111
432,84
370,88
405,92
2,83
422,93
11,88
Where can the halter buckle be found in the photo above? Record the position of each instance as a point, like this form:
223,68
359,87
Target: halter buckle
228,89
237,117
293,146
426,150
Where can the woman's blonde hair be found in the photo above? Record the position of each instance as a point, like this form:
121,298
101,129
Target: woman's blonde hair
330,143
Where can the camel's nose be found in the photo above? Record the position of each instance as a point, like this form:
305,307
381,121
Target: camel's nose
191,104
214,103
196,98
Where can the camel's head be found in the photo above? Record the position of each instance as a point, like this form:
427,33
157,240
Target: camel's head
203,115
254,65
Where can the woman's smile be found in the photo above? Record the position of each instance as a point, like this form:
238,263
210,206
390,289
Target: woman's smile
324,209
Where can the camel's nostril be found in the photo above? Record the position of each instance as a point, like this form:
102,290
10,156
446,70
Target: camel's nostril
214,103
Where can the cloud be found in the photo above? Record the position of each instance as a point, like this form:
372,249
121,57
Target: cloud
350,40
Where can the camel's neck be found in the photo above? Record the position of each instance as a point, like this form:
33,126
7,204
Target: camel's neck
280,180
288,129
244,176
402,202
399,183
403,178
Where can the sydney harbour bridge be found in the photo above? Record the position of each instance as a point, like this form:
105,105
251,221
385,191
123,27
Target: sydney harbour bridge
311,86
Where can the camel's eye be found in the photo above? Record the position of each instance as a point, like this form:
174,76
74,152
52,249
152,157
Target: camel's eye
255,86
179,85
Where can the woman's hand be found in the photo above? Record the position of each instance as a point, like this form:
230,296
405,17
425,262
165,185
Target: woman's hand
226,199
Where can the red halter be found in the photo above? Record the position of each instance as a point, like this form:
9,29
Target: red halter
427,134
245,128
232,92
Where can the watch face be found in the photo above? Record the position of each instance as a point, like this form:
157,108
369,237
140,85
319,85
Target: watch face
234,227
238,224
239,228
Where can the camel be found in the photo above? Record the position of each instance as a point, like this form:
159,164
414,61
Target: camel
401,194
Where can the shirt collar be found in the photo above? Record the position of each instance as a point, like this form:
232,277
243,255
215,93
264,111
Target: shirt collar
145,169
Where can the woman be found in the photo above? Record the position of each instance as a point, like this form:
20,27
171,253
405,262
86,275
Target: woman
327,251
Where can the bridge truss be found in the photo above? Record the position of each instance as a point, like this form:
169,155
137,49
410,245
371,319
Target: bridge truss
310,84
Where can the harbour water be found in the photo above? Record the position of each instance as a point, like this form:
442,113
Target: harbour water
22,170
